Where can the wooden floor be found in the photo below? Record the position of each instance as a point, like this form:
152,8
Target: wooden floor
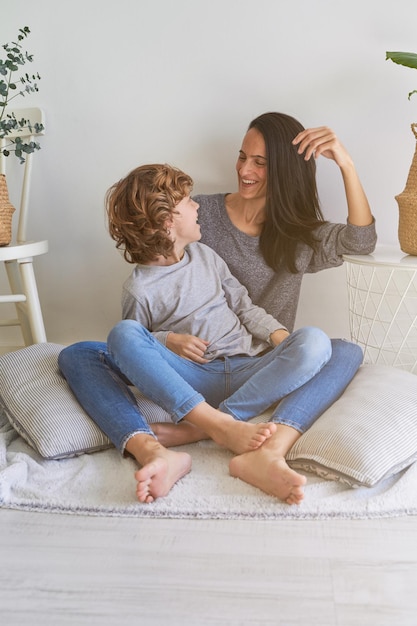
62,569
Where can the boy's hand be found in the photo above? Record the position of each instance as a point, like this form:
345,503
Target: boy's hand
188,346
278,336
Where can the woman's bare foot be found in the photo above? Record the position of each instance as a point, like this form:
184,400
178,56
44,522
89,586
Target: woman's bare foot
267,469
170,434
161,468
239,437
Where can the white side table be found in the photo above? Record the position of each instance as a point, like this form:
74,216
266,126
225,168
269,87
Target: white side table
382,290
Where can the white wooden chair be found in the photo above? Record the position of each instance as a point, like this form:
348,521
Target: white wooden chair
18,255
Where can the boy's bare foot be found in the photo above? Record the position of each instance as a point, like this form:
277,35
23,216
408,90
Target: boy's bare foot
267,469
156,479
161,468
170,434
239,437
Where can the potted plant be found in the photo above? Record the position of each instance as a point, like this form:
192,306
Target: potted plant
11,88
408,59
407,200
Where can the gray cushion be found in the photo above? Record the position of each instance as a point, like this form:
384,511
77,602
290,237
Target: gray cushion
370,433
39,404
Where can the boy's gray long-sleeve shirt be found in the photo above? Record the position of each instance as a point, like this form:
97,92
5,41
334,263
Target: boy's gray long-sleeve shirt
198,296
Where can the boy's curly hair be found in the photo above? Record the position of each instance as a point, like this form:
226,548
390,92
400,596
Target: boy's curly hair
138,207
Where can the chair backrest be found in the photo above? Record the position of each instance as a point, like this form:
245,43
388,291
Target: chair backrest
36,116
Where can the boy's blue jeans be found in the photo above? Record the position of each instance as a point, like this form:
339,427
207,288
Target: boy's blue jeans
307,372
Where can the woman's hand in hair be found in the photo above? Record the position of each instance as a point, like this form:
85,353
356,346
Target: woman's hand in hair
322,141
188,346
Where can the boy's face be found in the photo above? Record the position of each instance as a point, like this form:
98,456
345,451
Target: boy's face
185,226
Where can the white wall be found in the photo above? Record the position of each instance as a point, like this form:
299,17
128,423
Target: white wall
129,82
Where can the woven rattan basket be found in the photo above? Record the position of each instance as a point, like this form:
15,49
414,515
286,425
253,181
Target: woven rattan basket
6,213
407,204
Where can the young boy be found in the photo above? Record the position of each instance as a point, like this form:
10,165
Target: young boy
236,360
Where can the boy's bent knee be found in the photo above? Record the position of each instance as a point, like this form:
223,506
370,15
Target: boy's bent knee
126,331
313,337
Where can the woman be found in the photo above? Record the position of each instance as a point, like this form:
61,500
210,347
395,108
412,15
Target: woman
270,232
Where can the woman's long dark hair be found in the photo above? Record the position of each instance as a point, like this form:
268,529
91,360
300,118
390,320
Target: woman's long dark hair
292,209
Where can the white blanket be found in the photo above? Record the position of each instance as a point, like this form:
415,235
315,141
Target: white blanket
103,484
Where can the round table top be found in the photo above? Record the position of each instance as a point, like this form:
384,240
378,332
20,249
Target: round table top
386,255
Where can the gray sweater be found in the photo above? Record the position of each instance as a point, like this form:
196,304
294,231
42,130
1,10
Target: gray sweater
198,296
277,292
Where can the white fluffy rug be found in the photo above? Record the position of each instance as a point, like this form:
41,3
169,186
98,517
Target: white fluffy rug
103,484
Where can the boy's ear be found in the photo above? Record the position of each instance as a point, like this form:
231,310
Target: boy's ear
169,224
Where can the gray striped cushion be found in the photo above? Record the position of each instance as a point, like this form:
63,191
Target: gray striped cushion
38,403
370,433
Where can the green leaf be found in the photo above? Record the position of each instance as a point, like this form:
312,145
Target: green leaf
408,59
12,87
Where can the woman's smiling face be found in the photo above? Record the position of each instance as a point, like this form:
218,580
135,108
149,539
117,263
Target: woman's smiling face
251,166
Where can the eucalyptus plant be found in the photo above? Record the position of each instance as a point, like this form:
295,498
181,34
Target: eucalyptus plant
10,88
408,59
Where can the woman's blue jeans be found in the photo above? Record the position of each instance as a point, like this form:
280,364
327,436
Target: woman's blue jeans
306,372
